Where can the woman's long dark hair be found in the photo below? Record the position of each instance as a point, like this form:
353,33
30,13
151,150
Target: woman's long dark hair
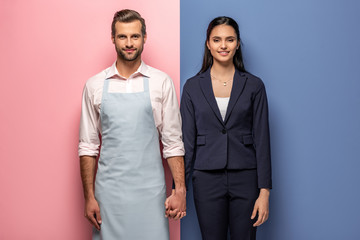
208,59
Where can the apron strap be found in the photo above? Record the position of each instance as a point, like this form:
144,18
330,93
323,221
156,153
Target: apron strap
106,85
146,84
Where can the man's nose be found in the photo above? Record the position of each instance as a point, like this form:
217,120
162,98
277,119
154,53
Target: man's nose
129,43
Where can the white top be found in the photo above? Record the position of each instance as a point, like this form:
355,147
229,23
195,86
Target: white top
222,103
164,104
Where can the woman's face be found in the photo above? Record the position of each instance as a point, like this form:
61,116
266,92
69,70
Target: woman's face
223,43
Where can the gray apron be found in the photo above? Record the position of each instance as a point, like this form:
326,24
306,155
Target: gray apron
130,184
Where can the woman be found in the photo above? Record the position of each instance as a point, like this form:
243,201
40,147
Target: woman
226,136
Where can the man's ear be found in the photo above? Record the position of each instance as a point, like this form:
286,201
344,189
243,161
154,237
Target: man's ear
113,39
145,37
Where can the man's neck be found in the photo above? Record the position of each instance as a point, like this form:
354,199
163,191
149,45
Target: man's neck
126,68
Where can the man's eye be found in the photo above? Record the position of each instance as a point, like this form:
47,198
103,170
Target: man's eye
216,40
231,40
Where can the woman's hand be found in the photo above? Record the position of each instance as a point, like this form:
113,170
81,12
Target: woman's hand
175,205
261,207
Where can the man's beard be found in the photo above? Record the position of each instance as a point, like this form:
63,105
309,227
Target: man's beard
126,57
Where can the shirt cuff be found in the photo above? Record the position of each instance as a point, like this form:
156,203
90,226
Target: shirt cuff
173,152
88,149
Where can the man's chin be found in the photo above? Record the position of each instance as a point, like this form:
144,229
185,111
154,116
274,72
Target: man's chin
128,58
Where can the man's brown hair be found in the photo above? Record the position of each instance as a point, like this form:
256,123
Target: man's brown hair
127,15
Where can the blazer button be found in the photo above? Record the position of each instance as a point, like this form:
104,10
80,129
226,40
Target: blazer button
223,131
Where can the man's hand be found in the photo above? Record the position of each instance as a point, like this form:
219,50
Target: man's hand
92,212
261,207
175,204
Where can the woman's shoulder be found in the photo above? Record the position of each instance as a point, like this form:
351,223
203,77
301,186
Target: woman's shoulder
253,80
193,81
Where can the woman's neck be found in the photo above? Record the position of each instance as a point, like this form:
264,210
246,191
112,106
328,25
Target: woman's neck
222,70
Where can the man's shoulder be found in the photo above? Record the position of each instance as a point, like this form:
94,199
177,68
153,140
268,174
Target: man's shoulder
97,79
156,74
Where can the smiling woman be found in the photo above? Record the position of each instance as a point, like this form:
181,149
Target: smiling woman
223,44
226,137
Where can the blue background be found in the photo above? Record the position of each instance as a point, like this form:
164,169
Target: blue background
308,54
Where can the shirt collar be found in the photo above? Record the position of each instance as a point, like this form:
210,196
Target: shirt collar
142,70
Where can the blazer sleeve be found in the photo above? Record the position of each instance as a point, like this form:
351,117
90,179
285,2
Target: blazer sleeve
189,132
261,136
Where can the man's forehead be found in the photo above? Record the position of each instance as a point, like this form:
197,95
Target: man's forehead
128,27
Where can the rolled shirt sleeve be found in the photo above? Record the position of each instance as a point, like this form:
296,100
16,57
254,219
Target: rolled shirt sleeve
170,128
89,141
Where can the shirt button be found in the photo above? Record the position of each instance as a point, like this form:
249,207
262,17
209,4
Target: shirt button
223,131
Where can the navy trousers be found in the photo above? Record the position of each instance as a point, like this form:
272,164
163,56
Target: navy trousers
224,200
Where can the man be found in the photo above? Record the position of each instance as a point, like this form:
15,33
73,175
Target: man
130,105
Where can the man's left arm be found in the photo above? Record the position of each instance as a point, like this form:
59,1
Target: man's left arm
173,149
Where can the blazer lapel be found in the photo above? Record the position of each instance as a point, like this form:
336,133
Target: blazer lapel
206,88
237,88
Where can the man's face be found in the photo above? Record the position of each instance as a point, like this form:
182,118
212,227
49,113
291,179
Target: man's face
128,40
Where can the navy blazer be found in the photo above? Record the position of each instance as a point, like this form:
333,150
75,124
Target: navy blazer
241,141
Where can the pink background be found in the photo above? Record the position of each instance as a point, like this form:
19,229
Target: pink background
48,50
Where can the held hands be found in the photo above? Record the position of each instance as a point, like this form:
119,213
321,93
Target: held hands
175,204
261,207
92,212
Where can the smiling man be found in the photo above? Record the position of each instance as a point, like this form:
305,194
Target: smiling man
126,108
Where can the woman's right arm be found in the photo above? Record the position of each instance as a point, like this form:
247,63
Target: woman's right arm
189,132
